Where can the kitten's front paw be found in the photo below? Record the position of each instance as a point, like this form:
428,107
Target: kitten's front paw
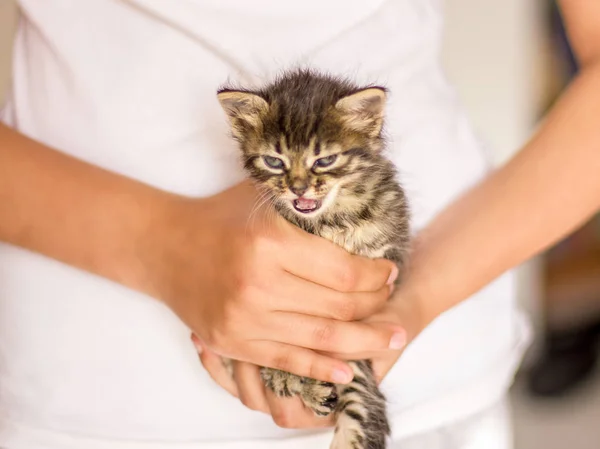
321,397
281,383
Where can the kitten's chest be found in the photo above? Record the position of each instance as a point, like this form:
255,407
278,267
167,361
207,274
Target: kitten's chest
365,239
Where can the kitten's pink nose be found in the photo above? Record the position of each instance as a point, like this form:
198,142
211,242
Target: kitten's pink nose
299,187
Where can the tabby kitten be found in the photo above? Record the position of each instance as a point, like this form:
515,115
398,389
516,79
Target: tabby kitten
314,143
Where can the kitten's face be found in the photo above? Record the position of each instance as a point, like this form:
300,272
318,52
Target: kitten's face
306,179
311,161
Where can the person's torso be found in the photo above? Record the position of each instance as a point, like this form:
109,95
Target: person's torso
130,86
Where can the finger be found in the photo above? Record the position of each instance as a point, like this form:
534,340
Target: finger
216,369
300,361
293,294
250,386
290,413
334,267
383,365
328,335
365,355
370,355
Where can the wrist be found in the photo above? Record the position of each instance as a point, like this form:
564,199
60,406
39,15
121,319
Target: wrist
414,305
177,230
149,218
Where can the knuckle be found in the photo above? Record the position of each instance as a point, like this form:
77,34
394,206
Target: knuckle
241,282
313,371
248,402
283,419
219,337
283,361
347,278
214,338
382,338
247,292
324,334
346,310
228,320
262,244
222,339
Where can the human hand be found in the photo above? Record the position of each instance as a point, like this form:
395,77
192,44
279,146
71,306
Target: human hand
402,312
256,288
247,385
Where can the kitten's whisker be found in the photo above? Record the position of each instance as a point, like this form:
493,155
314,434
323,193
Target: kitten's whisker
261,200
262,193
257,205
271,214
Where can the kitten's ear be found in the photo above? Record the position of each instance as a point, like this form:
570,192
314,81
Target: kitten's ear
364,110
242,108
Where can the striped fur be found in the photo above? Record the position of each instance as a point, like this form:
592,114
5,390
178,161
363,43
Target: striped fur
317,139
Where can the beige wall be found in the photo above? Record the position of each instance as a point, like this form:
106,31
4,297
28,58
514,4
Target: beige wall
8,19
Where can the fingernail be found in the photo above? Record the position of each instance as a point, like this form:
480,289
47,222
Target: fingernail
341,377
398,340
393,275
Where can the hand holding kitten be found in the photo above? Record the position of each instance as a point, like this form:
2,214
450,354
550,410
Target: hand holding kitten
256,288
403,310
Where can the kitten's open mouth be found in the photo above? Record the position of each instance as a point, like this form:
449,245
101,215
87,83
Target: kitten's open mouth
305,205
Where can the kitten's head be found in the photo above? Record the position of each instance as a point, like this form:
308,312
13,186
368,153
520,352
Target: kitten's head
310,140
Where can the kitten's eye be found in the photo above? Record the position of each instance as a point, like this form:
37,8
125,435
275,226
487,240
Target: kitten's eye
325,161
273,162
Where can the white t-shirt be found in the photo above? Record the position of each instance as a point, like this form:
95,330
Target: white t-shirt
130,86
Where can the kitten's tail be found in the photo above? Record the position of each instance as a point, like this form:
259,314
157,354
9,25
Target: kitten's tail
362,420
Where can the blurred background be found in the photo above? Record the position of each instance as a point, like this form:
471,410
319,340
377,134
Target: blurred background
509,60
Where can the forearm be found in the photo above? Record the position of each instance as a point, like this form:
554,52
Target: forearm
546,191
74,212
